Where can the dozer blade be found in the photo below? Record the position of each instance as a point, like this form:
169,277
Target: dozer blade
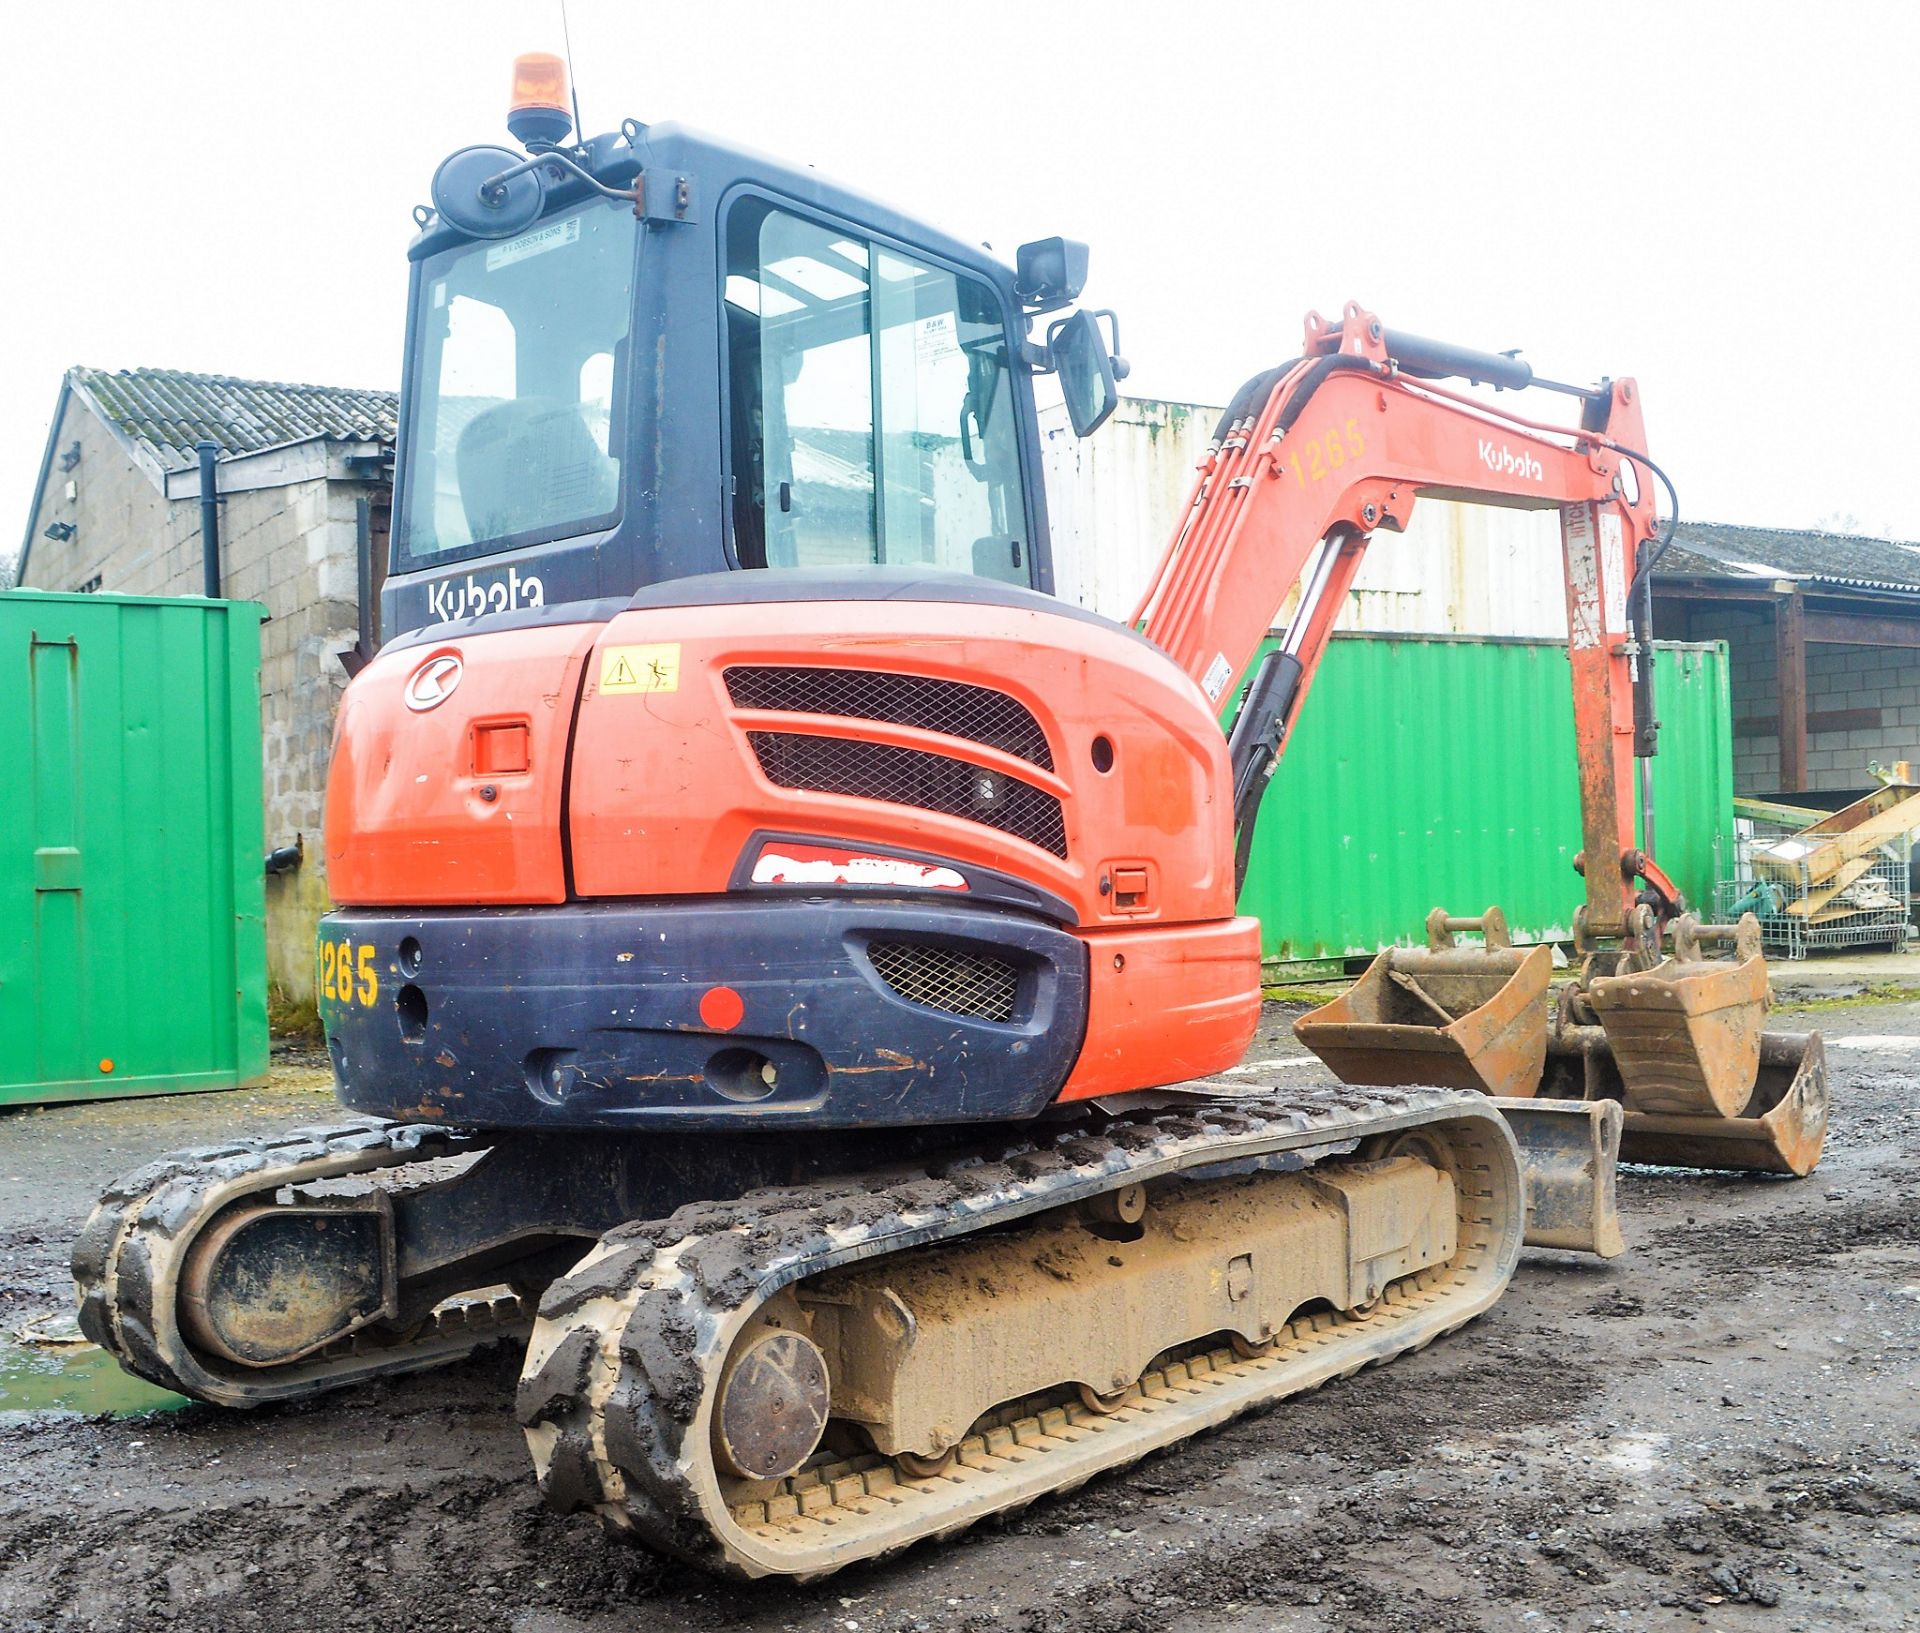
1569,1153
1451,1016
1780,1127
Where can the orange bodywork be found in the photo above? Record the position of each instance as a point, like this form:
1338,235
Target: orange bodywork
666,789
460,802
408,817
1166,1005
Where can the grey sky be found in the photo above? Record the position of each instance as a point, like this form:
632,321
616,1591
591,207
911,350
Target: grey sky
1717,199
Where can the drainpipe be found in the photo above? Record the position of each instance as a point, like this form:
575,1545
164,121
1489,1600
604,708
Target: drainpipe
209,518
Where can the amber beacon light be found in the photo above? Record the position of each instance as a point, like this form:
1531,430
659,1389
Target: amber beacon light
537,112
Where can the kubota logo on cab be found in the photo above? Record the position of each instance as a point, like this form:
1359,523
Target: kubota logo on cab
1498,457
433,682
469,597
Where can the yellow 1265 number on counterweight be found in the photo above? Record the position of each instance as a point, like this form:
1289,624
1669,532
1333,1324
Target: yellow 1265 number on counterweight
347,975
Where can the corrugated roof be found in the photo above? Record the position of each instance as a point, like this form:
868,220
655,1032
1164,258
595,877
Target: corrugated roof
1722,550
164,412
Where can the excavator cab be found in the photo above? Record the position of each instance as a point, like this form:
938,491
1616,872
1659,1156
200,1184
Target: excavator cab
651,356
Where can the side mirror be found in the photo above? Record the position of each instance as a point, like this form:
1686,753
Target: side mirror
1086,371
1049,273
467,196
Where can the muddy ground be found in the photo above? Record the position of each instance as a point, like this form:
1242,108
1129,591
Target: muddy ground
1717,1430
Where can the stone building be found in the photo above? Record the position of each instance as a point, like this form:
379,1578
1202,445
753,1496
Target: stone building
1823,634
304,477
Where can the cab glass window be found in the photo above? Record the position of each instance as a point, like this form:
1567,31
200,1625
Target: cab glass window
511,427
871,405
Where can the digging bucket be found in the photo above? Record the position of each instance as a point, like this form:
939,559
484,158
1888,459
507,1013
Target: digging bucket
1446,1015
1685,1034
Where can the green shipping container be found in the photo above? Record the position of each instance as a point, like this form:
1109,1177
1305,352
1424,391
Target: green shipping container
132,897
1433,771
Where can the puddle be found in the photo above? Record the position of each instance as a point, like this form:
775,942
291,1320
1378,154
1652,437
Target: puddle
1874,1041
74,1379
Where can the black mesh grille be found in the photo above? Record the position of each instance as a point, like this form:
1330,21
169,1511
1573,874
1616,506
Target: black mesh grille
907,776
977,713
946,979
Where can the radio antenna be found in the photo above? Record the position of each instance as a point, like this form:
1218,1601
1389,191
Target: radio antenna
573,85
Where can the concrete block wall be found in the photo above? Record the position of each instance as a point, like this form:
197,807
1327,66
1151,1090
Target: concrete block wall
291,548
1878,682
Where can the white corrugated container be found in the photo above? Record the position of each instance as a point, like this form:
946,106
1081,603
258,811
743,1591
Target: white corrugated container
1115,499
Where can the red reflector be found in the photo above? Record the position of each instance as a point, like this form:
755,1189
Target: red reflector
501,750
721,1008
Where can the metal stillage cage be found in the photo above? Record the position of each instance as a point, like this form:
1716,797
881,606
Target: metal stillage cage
1804,909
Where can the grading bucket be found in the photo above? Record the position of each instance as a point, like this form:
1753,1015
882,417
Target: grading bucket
1450,1016
1779,1128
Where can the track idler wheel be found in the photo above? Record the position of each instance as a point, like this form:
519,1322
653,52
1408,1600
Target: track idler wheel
1453,1016
268,1283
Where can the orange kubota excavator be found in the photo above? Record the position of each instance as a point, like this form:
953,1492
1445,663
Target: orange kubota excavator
797,953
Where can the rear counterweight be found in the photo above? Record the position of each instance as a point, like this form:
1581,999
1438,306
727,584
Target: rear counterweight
702,1014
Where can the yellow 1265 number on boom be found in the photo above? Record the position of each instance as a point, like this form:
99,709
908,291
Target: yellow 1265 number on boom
347,975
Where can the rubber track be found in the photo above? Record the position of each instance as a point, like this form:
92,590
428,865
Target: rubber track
127,1262
626,1354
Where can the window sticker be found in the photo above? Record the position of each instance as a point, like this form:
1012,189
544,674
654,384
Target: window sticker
537,242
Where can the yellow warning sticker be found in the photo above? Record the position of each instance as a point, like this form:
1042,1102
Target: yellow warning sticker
641,668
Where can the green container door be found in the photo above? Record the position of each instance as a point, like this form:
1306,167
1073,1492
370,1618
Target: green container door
132,898
1439,771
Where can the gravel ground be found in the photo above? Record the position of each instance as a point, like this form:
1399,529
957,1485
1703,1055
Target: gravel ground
1717,1430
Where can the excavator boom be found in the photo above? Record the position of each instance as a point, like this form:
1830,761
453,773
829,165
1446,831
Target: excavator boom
1309,461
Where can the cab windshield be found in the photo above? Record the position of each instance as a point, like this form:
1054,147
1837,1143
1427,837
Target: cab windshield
513,434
